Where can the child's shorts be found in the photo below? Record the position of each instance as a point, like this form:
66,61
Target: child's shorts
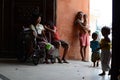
95,56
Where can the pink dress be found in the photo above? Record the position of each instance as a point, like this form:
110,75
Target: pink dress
84,39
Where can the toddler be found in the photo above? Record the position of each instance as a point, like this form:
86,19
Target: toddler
94,45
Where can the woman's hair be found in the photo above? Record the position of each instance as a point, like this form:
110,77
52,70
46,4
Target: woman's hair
34,17
77,15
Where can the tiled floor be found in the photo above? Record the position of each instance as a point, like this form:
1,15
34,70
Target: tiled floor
75,70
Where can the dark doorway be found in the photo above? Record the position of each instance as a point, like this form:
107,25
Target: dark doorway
115,67
16,13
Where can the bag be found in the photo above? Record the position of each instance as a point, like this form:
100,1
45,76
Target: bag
50,48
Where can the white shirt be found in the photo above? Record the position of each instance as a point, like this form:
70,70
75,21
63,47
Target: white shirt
38,30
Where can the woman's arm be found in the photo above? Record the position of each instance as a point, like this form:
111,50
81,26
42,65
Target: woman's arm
80,23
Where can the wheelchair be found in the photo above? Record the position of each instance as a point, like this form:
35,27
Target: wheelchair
28,49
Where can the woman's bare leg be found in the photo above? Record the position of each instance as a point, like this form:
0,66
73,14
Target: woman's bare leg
84,53
81,53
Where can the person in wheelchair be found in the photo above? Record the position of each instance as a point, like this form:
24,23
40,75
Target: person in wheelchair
25,44
39,33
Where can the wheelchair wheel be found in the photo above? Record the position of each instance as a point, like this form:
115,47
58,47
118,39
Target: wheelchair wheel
36,57
42,55
21,55
21,58
24,45
42,60
35,60
52,60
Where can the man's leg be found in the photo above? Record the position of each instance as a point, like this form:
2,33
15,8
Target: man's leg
57,45
65,46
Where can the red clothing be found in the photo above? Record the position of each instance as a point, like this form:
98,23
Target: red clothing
56,36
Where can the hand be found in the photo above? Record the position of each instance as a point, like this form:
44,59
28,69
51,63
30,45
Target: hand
45,27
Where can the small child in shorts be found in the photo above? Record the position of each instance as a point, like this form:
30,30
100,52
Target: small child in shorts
94,45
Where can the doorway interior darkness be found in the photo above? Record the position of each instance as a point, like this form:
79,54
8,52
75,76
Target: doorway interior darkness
16,13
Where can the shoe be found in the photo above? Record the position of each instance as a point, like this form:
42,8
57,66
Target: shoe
64,61
102,74
82,59
46,62
86,61
59,61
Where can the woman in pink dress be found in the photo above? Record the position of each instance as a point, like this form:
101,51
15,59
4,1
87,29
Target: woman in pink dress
84,32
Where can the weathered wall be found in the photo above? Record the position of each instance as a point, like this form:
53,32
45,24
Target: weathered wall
66,11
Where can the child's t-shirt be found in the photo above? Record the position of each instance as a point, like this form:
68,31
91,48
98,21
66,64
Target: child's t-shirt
106,44
94,45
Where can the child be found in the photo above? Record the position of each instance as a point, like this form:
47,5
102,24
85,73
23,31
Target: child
57,42
94,45
105,46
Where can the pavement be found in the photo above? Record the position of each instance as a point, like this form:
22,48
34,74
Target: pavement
11,69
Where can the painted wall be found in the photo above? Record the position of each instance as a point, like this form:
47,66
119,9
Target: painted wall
66,11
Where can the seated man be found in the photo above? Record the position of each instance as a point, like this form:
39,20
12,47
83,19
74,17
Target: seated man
55,40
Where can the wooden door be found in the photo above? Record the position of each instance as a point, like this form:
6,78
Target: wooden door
6,29
0,24
16,13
